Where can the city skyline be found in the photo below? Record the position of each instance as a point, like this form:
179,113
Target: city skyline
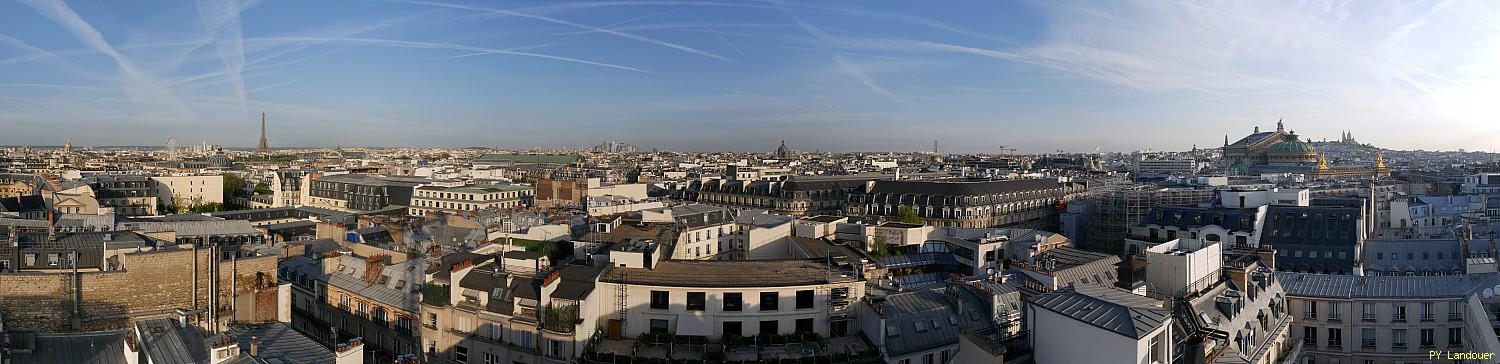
711,76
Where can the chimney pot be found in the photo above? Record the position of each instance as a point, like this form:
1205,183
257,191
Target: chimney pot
254,346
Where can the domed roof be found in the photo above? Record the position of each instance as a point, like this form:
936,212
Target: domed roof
219,160
1292,146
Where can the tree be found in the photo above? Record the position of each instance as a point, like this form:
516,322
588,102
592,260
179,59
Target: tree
263,188
880,249
232,186
908,215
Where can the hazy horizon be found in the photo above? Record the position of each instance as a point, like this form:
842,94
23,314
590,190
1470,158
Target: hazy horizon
711,76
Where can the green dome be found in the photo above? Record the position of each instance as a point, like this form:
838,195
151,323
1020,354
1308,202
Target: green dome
1293,146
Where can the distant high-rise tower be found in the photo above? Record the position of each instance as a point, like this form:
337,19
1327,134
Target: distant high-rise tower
262,148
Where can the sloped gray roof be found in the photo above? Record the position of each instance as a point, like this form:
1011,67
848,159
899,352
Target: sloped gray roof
1108,308
164,342
929,318
962,188
1383,287
89,348
280,344
196,228
351,280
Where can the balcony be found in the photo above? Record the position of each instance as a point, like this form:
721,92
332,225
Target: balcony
1455,316
1369,317
560,319
435,295
1398,318
1427,317
1367,344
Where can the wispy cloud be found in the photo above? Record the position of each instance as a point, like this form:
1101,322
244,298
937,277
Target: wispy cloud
64,16
222,17
864,78
434,45
575,25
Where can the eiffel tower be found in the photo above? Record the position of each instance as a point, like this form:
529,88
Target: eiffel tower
262,147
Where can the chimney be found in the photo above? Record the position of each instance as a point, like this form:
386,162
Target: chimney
1267,256
351,352
254,346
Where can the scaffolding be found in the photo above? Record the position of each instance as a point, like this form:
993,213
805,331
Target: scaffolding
1118,206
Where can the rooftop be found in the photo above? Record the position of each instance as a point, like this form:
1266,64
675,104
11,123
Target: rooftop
1383,287
1108,308
483,188
88,348
280,344
959,188
728,273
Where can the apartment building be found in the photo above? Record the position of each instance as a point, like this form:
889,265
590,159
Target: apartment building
715,299
434,198
1379,319
341,296
1030,203
189,190
507,307
359,192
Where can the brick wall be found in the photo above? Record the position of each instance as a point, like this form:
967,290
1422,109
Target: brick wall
154,281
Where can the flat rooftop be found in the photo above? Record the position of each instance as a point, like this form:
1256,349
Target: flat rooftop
482,188
728,273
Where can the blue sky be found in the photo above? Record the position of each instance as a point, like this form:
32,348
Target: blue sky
741,75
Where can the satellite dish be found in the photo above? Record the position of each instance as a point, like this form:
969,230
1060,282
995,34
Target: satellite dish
1497,288
1488,293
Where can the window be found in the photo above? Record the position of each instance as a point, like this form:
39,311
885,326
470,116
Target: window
1367,338
461,354
1398,312
771,327
769,301
804,299
403,323
696,301
1157,354
344,302
1455,311
804,325
735,328
1455,336
658,326
1398,338
1367,311
1427,338
1333,311
1310,336
659,300
1427,314
1310,310
1335,338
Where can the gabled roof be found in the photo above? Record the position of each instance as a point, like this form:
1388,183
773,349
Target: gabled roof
1108,308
